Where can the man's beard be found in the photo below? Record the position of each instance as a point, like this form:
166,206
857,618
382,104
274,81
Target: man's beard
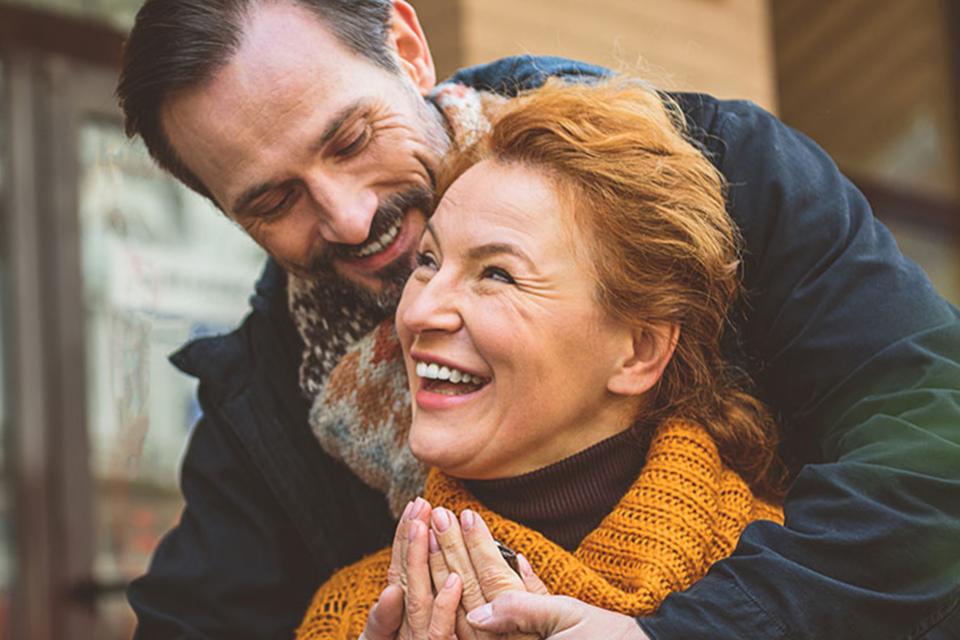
393,276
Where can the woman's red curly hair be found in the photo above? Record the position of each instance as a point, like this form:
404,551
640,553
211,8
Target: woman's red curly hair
651,209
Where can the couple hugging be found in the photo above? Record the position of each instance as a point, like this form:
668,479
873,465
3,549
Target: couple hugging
498,364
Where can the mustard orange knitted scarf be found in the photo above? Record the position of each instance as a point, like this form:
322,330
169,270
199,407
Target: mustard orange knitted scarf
685,511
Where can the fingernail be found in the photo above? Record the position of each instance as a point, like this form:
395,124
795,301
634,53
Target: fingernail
417,507
434,545
467,519
481,614
414,529
451,581
406,510
441,520
525,569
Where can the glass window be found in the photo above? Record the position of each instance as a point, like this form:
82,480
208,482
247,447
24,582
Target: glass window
160,265
6,522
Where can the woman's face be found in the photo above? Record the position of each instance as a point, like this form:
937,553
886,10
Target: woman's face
501,294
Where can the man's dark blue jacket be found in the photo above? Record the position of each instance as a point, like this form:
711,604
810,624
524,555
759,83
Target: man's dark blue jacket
845,338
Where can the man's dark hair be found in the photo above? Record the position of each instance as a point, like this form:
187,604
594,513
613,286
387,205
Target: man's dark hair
178,44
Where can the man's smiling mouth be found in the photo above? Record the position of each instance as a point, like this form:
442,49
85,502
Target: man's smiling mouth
378,245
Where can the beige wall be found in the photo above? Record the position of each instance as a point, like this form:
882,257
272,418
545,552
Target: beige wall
871,82
718,46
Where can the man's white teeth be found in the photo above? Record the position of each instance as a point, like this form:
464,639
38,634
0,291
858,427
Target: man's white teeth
380,243
433,371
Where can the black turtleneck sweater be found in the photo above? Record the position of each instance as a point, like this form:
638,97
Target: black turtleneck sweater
567,500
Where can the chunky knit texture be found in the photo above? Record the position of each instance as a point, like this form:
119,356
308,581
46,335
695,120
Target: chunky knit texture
685,511
566,500
351,369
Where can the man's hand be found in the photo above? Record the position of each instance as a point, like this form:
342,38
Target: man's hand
553,617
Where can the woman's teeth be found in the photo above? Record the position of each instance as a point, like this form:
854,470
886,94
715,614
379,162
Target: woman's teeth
380,243
433,371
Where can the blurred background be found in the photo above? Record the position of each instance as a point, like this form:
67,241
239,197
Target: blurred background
106,266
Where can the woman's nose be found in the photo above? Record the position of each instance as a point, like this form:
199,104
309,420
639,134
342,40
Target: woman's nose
346,209
430,306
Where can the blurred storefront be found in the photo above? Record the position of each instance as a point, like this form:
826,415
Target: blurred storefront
106,266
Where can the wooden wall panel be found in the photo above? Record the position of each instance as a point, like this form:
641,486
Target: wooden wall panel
870,80
719,46
442,21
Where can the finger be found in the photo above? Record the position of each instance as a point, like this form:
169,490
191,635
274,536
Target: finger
419,594
531,581
455,554
418,509
465,630
518,611
385,616
397,550
443,618
493,572
438,566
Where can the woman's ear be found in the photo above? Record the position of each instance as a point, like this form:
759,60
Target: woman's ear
413,51
648,356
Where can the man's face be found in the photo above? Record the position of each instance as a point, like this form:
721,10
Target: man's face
323,157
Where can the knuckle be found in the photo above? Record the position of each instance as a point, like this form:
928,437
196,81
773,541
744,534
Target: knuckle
415,608
393,575
507,602
471,589
437,632
496,579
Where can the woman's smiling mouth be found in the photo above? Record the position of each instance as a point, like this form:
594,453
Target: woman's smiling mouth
442,385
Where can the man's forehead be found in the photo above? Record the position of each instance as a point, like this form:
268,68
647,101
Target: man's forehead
279,37
289,79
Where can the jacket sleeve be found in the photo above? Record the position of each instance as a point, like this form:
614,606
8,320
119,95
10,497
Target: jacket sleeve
234,566
861,357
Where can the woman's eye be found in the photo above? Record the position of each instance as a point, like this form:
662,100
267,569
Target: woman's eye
498,274
355,145
426,259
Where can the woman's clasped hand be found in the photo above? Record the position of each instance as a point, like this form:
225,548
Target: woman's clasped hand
448,579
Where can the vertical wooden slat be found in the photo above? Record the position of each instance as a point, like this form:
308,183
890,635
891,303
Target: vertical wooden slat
33,602
63,83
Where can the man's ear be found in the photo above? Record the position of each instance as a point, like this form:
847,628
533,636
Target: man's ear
413,51
645,361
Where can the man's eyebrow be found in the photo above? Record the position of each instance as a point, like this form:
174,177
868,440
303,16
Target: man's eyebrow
250,195
329,132
338,120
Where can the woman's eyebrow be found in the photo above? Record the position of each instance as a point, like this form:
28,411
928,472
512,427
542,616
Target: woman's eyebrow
498,248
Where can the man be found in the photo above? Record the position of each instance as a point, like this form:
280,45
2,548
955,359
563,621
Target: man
304,121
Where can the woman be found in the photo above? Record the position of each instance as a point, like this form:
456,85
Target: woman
561,337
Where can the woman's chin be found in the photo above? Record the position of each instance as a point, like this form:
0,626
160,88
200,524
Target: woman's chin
439,449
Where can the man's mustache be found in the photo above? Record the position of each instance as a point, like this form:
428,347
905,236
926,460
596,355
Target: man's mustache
389,212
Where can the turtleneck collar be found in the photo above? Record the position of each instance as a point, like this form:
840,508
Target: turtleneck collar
567,499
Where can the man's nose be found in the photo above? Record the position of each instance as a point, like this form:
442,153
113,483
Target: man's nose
431,307
346,209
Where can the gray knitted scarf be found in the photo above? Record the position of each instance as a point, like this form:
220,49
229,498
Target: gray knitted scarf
352,368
